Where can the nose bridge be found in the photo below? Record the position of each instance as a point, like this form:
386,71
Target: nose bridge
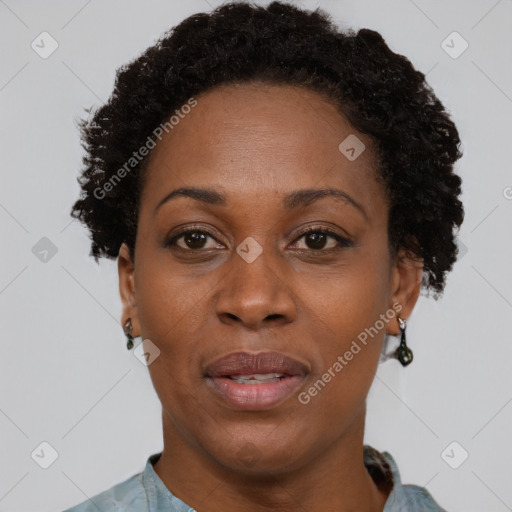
253,289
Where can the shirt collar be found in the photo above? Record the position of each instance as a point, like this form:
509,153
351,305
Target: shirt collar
381,466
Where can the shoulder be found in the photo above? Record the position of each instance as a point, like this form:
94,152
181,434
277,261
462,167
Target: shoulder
412,498
129,495
384,471
420,500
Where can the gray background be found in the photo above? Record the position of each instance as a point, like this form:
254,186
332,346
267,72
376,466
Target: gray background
66,377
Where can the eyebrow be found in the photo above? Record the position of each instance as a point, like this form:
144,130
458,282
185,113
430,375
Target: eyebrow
294,200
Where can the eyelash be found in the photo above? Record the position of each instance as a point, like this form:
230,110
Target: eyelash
342,241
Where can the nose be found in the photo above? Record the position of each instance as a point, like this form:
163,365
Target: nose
256,294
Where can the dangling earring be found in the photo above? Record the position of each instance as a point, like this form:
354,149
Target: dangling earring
403,352
128,333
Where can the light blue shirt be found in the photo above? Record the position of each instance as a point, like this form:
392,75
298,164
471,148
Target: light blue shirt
145,491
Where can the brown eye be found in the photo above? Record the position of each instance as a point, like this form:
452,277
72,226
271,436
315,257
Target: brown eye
316,239
192,240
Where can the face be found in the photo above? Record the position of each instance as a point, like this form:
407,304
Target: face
256,266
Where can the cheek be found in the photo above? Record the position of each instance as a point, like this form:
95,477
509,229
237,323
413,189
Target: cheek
347,308
347,298
169,304
169,309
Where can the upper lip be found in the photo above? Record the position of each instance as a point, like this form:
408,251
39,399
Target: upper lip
246,363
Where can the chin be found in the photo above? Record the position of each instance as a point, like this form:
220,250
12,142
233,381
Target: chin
258,458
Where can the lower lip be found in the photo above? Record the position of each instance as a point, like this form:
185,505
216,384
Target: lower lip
254,397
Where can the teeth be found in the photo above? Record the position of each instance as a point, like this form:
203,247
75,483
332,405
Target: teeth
257,378
260,376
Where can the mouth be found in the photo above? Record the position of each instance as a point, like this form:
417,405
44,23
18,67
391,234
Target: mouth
258,378
246,381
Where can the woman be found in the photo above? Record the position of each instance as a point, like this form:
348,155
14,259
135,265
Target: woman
276,194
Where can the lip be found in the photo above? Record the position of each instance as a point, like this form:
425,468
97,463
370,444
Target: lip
255,396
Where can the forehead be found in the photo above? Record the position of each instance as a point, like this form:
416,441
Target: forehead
255,139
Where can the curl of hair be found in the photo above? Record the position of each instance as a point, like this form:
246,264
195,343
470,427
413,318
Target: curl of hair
379,92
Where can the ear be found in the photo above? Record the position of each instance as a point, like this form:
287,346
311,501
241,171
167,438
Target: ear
406,274
126,271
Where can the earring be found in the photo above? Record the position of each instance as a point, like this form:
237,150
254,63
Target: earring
403,353
128,333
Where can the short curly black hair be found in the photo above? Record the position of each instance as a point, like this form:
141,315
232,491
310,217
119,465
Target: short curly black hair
379,92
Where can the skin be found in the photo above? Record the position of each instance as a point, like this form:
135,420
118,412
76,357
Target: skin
257,143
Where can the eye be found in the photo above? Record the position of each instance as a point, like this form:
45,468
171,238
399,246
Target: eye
316,239
193,239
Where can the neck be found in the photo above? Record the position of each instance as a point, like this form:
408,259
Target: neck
335,479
